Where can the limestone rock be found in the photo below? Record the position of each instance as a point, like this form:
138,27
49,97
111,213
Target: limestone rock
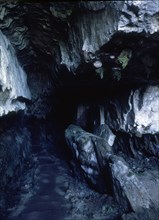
137,119
90,151
89,24
140,191
105,132
146,110
140,114
85,28
94,29
134,189
138,16
13,80
90,31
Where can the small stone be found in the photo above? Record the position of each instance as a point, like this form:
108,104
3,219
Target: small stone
97,64
112,57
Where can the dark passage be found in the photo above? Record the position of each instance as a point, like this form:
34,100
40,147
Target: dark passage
79,110
49,188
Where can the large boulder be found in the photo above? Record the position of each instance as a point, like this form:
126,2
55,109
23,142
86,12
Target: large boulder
133,184
90,151
137,191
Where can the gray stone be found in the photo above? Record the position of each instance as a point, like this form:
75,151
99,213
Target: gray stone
105,132
140,112
13,80
90,150
139,16
140,191
137,118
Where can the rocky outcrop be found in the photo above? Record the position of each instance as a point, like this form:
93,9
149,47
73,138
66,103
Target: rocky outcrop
100,40
131,114
134,188
141,113
100,59
136,116
105,132
93,30
84,145
13,81
139,16
89,31
139,190
86,27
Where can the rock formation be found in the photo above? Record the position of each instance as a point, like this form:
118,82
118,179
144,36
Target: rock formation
13,82
85,145
129,184
94,65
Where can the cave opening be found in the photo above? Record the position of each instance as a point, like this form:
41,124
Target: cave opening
79,110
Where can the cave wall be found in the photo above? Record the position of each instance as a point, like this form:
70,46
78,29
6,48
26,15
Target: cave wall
93,40
88,63
15,159
13,82
15,150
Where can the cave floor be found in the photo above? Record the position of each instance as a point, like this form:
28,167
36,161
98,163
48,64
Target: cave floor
48,201
57,195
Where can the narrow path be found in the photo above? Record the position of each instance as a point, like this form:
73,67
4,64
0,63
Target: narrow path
51,182
59,196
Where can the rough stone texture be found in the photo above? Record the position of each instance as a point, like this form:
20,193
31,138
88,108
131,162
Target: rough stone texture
95,29
13,82
105,132
32,36
86,27
140,190
138,116
84,145
138,16
90,31
15,160
134,183
145,110
105,50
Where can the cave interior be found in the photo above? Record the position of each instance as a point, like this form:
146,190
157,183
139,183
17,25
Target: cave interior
79,110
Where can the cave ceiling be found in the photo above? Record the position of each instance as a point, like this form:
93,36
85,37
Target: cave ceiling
84,46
